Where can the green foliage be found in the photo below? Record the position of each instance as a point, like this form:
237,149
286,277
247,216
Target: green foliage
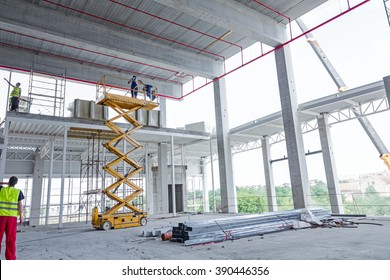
284,199
320,195
253,199
217,200
370,203
195,201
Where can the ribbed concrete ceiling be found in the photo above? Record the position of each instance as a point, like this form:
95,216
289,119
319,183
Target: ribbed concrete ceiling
163,42
166,42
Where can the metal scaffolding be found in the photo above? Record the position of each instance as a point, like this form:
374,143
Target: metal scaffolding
91,176
46,91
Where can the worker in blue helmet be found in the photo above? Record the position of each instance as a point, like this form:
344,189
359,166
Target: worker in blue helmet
133,87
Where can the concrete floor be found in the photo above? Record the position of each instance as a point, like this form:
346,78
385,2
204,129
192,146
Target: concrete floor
79,241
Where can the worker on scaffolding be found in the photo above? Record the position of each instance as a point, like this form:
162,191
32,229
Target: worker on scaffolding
133,87
14,96
149,90
154,93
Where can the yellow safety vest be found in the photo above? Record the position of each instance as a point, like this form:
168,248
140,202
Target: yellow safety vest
9,201
15,92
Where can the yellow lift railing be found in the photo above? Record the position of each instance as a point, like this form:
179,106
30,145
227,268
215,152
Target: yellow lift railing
124,107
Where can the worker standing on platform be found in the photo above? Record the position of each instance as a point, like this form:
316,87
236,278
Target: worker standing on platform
10,207
14,96
151,94
154,93
133,87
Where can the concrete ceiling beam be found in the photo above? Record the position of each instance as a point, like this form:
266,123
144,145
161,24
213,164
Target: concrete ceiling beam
233,16
22,59
81,33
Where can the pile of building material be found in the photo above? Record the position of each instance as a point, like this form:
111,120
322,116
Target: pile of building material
192,233
156,232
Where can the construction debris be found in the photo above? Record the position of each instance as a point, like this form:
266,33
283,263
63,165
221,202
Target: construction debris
236,227
309,217
192,233
166,236
343,222
157,232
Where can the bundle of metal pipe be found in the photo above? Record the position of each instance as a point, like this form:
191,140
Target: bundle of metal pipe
236,227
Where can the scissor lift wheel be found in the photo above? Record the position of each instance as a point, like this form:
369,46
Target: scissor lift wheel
106,225
143,221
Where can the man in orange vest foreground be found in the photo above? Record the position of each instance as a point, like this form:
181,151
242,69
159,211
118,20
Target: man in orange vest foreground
10,207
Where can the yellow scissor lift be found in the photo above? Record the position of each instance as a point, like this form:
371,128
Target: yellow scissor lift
123,106
386,159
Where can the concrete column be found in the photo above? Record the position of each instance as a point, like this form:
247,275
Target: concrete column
36,195
148,185
162,181
49,182
185,203
228,190
386,81
212,177
269,177
63,176
163,112
292,128
330,165
206,204
3,158
173,176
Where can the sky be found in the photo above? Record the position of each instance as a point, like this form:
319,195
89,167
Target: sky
358,46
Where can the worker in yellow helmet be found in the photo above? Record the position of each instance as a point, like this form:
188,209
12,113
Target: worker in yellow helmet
14,96
10,208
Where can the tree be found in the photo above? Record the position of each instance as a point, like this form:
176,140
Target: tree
369,203
320,195
251,199
284,197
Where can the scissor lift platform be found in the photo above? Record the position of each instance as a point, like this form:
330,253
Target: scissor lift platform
123,106
126,102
